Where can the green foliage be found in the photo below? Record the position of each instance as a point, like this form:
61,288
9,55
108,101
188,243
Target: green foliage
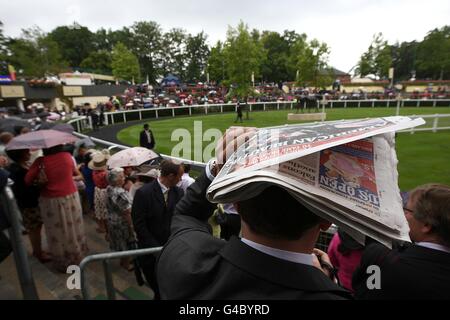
97,62
404,59
3,52
275,67
124,63
310,59
146,43
243,58
433,56
35,54
75,43
216,63
196,58
430,57
174,53
377,59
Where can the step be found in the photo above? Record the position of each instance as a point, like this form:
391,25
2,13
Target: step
51,285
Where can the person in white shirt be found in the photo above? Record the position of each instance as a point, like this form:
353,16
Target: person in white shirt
186,179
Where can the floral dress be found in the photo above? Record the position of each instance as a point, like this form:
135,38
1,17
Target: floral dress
121,234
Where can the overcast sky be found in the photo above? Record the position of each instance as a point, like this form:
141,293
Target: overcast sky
347,26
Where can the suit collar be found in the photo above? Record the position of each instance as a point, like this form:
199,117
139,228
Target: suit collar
272,269
423,253
162,186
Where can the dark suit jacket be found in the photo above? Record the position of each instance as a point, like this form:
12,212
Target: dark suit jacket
409,272
151,217
195,265
143,141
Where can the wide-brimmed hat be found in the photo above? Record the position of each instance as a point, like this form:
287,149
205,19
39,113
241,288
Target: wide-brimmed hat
152,173
98,162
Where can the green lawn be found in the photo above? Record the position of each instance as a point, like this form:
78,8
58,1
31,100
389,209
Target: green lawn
423,157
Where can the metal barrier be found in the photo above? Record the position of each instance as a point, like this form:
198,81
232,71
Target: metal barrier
105,257
23,268
194,164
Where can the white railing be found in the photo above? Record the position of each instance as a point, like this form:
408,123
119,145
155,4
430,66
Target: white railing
433,123
155,113
434,120
111,145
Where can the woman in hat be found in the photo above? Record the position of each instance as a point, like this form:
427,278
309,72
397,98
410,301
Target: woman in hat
99,174
120,225
143,178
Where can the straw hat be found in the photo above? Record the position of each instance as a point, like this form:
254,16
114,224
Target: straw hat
98,162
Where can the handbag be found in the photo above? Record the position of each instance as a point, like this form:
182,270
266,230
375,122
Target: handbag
41,179
80,185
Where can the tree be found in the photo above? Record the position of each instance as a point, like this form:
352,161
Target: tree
216,63
124,35
75,43
146,44
100,40
35,54
243,58
310,62
197,54
377,59
404,59
174,52
97,62
275,67
433,56
125,64
3,52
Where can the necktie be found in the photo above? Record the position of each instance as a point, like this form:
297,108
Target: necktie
166,196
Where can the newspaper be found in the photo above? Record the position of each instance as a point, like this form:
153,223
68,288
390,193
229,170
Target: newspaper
344,171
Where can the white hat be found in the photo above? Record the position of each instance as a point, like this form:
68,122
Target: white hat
99,160
152,173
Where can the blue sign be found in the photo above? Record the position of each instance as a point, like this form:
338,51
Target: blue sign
5,79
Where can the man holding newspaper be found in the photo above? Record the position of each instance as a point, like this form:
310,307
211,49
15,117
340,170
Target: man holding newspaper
287,183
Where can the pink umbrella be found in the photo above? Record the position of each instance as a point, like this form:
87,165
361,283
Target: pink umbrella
131,157
41,139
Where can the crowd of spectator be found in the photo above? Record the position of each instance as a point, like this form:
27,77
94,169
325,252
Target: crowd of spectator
161,205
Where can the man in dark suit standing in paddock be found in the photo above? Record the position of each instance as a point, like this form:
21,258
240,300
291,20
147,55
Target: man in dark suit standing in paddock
273,260
417,271
152,211
146,138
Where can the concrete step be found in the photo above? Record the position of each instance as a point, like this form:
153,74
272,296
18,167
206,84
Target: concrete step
52,285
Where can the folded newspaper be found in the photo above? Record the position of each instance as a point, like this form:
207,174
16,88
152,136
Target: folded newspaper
344,171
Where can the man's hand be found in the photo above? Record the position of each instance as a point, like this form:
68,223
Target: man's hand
3,161
232,139
322,261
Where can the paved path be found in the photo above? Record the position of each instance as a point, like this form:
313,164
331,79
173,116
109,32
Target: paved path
109,133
